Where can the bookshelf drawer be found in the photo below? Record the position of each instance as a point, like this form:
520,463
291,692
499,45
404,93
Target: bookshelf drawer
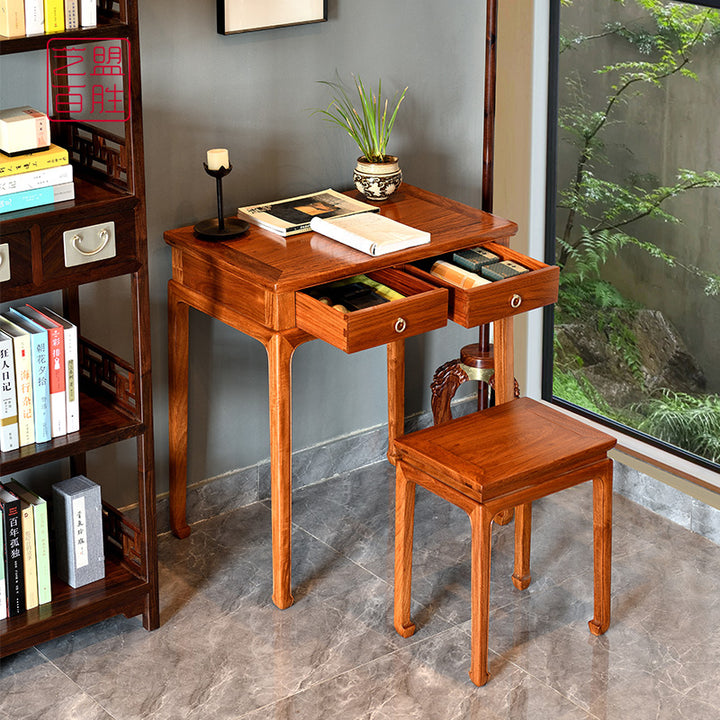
424,308
15,260
470,307
101,253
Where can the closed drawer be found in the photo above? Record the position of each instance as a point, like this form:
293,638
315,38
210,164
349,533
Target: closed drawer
58,263
15,260
424,308
500,298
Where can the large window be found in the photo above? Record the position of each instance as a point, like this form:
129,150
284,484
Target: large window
634,218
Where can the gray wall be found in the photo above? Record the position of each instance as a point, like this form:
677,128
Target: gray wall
252,93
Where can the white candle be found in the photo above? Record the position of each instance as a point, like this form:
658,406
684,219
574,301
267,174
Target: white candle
217,158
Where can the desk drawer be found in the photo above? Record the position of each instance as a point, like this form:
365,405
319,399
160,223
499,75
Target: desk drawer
424,308
501,298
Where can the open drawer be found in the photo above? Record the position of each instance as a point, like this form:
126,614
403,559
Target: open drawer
424,307
474,306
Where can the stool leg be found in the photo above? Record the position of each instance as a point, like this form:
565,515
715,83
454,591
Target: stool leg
602,548
404,520
523,525
481,525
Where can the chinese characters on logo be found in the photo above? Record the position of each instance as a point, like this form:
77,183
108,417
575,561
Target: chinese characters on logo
91,82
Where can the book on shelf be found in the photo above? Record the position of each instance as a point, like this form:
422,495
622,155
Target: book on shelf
27,528
54,155
9,429
39,373
56,366
12,18
88,13
370,233
13,552
72,378
3,583
35,198
34,17
48,177
22,357
77,511
293,215
54,15
41,537
72,15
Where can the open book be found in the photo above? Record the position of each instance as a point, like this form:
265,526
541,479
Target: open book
372,234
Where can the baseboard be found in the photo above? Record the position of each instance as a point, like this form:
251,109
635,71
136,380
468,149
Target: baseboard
222,494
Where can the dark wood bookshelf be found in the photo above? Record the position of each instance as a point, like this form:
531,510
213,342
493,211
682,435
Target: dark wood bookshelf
115,393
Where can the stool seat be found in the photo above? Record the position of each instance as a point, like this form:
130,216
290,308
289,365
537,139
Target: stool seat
504,448
490,462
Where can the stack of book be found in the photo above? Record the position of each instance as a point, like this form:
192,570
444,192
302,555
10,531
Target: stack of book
39,395
19,18
33,171
24,550
78,544
475,266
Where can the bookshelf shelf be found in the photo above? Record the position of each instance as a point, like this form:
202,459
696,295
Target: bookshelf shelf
115,397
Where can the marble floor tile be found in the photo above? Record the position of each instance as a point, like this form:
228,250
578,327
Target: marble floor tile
223,650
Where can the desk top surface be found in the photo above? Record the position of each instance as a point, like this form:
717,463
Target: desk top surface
299,261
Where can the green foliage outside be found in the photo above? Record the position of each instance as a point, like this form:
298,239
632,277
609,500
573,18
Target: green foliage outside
598,216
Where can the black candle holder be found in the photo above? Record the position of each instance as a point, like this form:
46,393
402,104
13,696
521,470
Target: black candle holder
220,228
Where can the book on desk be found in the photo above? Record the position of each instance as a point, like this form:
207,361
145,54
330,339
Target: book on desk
293,215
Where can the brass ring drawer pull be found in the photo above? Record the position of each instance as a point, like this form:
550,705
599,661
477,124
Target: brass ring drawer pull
400,325
515,301
103,235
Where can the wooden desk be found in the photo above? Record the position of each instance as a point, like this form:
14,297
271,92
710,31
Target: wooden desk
255,282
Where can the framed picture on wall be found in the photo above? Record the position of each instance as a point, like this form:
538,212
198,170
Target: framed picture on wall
237,16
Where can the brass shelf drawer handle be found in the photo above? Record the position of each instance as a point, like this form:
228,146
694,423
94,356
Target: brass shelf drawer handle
103,236
515,301
400,325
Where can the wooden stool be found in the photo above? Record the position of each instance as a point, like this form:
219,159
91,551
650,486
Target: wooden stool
489,462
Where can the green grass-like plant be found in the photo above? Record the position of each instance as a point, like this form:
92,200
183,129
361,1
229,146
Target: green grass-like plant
688,421
370,123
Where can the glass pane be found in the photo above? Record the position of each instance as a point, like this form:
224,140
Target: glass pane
637,217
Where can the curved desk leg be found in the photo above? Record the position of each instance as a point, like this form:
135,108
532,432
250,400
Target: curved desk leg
280,350
178,317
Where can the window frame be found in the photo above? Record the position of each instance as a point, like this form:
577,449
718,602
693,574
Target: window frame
644,447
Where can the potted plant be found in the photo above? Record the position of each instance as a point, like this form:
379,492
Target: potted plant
377,175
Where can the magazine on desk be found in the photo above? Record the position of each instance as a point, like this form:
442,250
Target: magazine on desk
371,234
293,215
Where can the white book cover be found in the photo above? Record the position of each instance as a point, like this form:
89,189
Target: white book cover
370,233
72,15
23,380
34,17
56,366
88,13
58,175
72,375
9,429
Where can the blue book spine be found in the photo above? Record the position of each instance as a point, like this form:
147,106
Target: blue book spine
40,355
34,198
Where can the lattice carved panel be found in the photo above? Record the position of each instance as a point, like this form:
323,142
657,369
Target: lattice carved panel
105,374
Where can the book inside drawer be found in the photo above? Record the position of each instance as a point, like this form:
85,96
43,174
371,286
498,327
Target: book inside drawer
422,307
500,298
